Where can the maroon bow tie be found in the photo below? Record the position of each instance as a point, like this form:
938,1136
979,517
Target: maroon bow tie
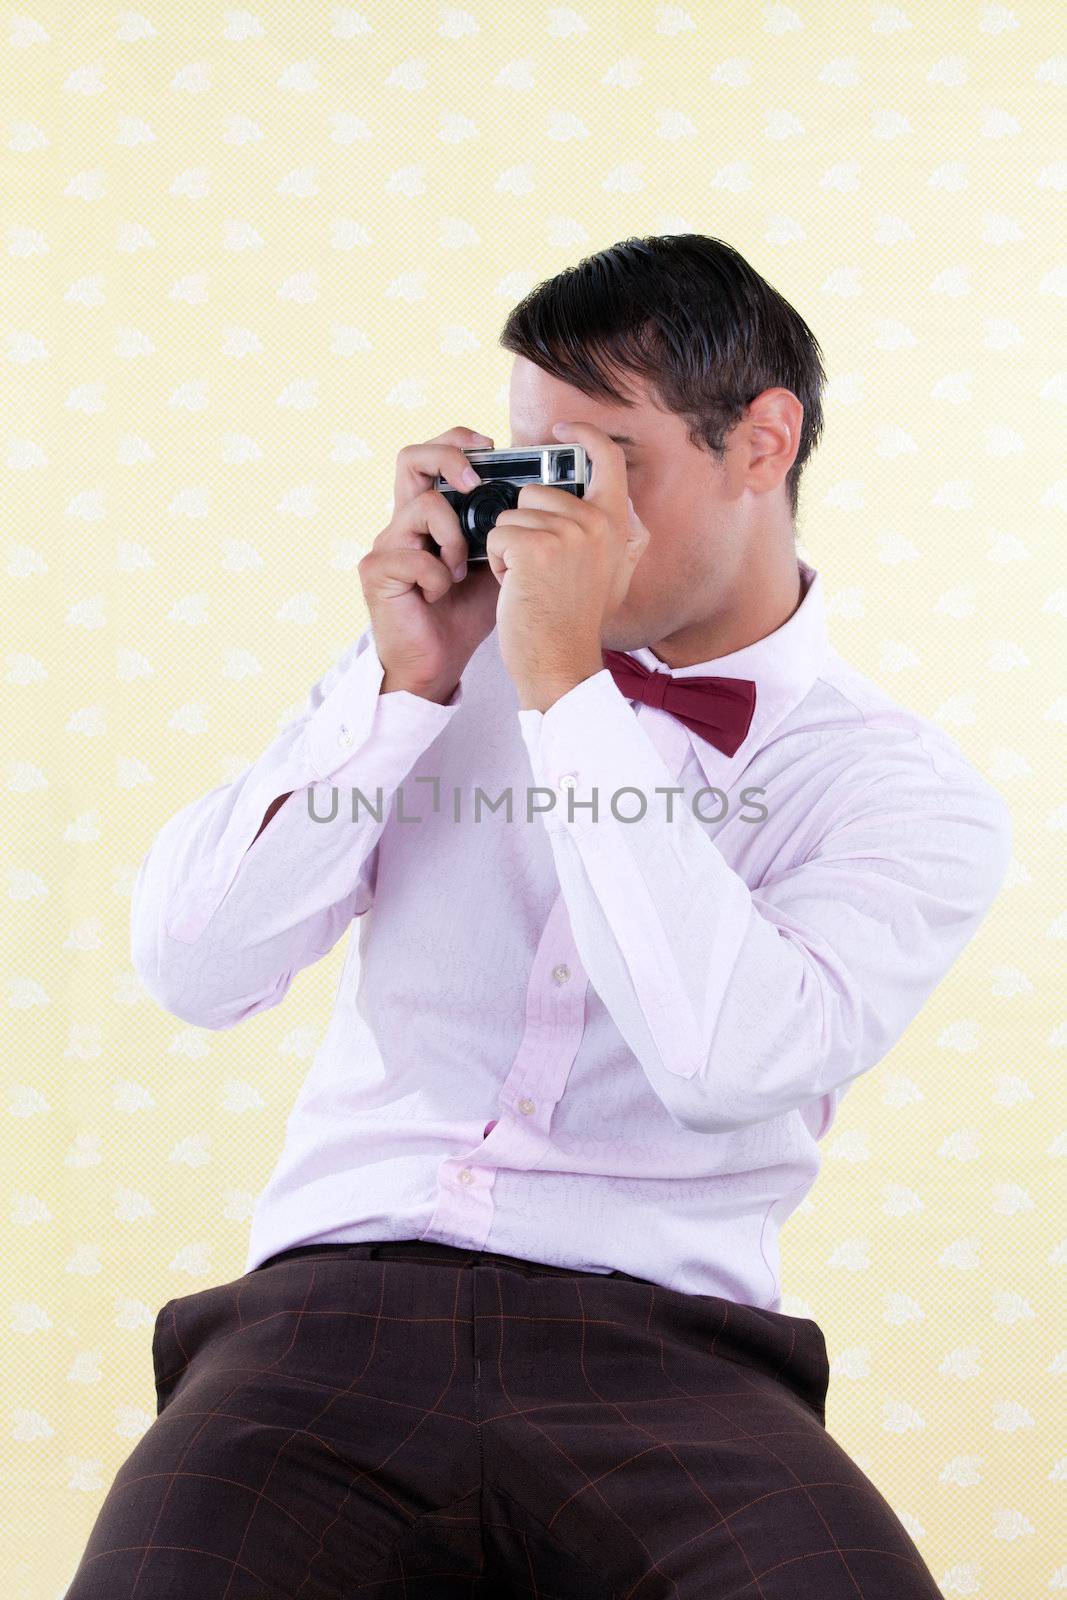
718,709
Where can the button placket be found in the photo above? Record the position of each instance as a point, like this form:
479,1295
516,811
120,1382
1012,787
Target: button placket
518,1139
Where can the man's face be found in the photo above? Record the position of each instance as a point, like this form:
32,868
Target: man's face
688,501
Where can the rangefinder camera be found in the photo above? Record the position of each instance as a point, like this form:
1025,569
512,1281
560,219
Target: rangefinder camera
503,474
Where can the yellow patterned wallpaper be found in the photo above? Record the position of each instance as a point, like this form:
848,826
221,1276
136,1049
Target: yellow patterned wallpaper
250,253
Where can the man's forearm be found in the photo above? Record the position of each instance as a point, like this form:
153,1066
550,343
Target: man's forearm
219,929
389,685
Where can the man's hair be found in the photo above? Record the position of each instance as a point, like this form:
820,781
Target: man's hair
691,317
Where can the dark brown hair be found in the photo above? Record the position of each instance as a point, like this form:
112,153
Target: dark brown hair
687,314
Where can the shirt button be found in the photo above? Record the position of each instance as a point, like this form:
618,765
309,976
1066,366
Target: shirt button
569,780
466,1176
346,736
526,1106
561,973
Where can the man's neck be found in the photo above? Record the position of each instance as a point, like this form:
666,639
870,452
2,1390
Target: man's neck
763,607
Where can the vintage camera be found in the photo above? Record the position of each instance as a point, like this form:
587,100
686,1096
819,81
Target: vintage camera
503,474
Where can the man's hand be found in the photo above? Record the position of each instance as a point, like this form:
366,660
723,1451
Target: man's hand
427,622
563,565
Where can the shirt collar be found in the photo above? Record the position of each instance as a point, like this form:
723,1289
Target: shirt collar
784,665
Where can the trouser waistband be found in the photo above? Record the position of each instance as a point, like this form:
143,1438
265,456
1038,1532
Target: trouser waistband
432,1250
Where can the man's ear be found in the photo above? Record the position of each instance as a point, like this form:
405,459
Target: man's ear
775,419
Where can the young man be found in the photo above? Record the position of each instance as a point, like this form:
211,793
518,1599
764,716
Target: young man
511,1308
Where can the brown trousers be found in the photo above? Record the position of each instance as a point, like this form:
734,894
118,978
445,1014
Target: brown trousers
409,1421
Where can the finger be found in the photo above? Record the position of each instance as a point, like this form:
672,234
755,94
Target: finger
387,574
510,529
418,465
428,514
497,565
542,495
461,436
471,589
531,517
607,460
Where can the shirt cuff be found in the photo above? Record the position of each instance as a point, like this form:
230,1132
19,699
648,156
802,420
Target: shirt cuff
586,747
355,707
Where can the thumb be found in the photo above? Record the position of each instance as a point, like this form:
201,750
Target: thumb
637,538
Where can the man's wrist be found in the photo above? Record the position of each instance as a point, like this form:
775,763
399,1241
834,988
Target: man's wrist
538,694
441,692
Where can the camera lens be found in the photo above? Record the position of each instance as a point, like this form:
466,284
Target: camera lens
481,509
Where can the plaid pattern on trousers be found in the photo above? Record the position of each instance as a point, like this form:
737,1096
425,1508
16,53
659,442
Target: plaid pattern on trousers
412,1421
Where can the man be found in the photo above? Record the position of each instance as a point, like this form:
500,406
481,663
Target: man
511,1308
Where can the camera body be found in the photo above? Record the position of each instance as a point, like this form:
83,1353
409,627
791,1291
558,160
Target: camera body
503,474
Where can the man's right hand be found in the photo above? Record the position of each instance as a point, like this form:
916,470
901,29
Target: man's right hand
427,623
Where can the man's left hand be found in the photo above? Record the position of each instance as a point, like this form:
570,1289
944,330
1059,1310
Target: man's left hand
563,565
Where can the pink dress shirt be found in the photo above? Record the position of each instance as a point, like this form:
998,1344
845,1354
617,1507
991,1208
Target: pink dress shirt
577,1038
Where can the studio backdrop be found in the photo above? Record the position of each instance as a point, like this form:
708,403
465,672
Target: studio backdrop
250,253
